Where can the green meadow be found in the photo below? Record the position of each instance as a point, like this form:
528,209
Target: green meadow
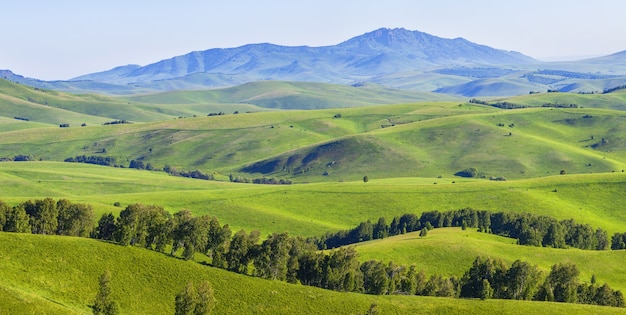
450,251
566,163
58,275
315,208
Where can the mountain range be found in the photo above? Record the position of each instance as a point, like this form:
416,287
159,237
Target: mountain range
397,58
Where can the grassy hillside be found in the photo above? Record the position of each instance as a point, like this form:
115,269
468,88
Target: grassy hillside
58,275
450,251
314,209
52,107
615,100
294,95
414,140
410,153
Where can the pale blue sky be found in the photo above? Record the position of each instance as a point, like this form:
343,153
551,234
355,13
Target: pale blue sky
63,39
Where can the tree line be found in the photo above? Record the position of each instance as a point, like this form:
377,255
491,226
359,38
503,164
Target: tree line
299,260
528,229
47,216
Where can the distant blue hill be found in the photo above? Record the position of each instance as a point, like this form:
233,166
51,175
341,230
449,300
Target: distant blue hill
383,51
397,58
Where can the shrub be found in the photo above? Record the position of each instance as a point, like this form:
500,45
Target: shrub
470,172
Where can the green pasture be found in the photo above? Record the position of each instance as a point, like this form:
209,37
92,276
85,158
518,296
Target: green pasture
59,275
451,251
293,95
313,209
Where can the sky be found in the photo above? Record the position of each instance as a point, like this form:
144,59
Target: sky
62,39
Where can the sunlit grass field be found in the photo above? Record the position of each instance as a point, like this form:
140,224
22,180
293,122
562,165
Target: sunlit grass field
59,275
450,251
313,209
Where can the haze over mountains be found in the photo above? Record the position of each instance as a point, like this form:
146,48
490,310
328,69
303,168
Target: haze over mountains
397,58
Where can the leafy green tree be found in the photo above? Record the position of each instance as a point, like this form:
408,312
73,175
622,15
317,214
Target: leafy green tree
563,280
241,250
17,220
43,215
375,280
197,238
438,285
74,219
366,179
469,172
130,228
394,227
423,232
186,300
408,282
381,230
373,310
618,241
271,261
420,282
158,228
341,271
602,239
4,210
555,237
218,240
364,232
485,290
205,302
395,273
299,247
106,229
522,280
491,270
181,229
311,266
103,303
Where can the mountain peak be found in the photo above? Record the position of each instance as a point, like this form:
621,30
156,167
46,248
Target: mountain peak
380,52
391,37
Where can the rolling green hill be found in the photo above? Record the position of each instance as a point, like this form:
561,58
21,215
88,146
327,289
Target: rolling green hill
294,95
567,163
58,275
450,251
313,209
414,140
52,107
